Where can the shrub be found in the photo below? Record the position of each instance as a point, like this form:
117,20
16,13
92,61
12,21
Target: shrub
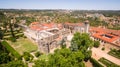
96,44
37,54
103,48
13,39
63,46
27,56
95,63
24,36
1,34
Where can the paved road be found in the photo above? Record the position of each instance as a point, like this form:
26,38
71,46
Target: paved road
97,53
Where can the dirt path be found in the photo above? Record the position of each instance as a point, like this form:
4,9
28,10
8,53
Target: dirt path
88,64
97,53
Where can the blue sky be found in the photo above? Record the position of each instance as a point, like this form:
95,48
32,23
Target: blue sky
61,4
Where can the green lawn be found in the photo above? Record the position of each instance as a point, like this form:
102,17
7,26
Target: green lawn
23,45
44,57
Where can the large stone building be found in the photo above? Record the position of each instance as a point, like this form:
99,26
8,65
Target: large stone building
49,35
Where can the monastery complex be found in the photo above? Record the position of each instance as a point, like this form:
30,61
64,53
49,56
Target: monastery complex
49,35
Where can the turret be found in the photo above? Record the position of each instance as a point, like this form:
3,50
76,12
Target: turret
86,23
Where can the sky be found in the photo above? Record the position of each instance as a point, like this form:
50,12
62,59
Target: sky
61,4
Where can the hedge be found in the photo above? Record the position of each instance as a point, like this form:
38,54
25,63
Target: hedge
95,63
10,49
108,63
115,53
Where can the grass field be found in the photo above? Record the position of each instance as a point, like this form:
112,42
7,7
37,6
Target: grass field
23,45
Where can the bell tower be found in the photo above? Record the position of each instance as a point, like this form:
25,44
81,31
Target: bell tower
86,25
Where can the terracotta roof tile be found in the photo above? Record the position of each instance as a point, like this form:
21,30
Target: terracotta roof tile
37,26
100,32
74,24
103,36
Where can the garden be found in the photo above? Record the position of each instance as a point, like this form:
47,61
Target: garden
115,53
107,62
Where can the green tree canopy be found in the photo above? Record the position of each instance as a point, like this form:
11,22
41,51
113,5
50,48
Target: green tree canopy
62,58
17,63
83,43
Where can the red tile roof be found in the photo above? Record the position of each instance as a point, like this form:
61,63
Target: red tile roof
74,24
37,26
102,36
98,32
34,23
96,29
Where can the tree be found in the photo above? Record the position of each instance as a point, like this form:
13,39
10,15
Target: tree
40,63
27,56
63,45
83,43
65,52
17,63
62,58
1,34
4,58
96,44
11,22
78,56
75,42
5,24
37,54
66,58
87,55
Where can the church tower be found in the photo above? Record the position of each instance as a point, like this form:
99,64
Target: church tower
86,25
